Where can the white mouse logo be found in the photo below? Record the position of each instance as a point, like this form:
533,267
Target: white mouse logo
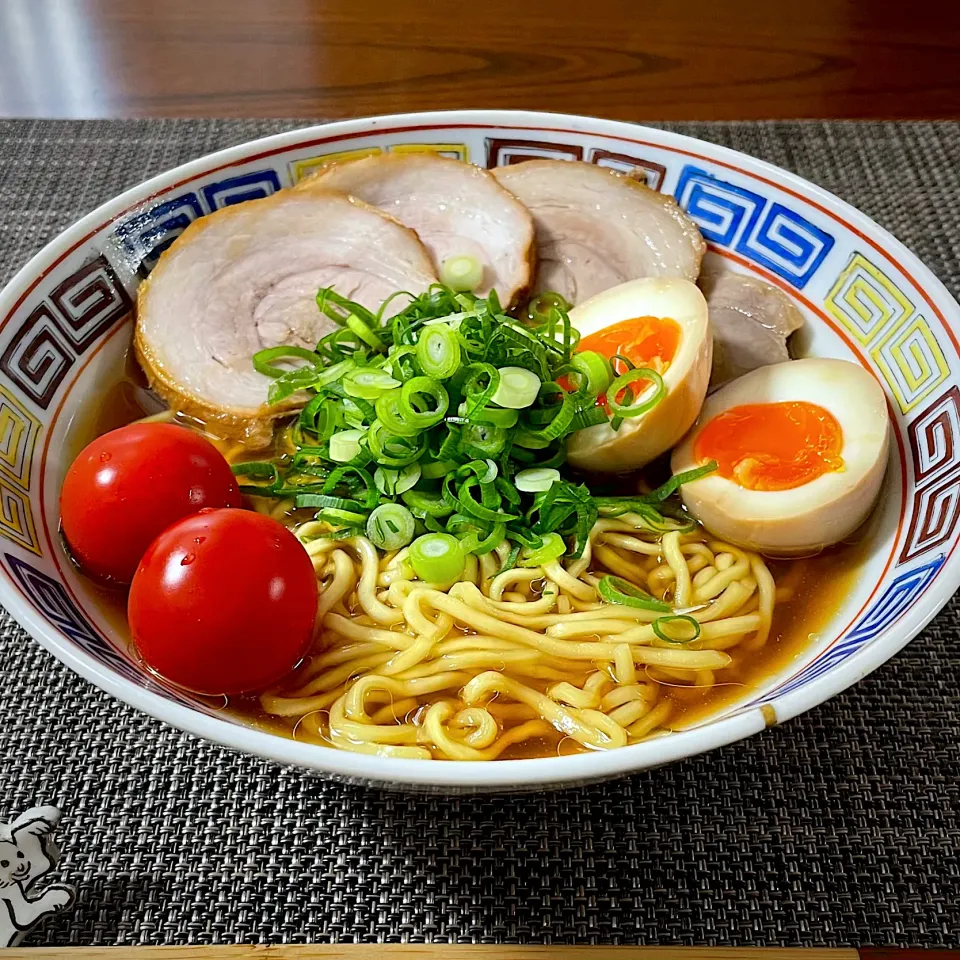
27,853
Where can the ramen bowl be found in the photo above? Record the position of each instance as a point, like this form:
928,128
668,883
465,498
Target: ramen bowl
66,327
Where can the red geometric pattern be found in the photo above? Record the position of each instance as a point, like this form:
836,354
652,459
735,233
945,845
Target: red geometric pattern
936,458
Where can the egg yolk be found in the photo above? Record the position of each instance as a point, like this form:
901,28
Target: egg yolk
772,446
645,341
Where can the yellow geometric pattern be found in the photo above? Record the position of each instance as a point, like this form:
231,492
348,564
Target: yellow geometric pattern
878,314
19,430
301,168
16,520
911,362
865,300
456,151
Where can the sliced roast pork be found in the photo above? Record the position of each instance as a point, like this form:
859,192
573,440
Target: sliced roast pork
750,320
245,278
597,228
455,208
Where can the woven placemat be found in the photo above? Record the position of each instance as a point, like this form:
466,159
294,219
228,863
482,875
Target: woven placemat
840,828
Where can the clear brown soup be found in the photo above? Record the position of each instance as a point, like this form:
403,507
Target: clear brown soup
817,585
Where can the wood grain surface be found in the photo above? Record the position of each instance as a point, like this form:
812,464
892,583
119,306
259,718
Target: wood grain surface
655,59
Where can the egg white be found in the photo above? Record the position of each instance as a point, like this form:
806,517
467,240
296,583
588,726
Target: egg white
641,439
828,508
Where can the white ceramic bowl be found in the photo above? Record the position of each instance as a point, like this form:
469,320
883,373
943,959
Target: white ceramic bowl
65,325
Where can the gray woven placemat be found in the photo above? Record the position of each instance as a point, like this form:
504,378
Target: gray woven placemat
841,828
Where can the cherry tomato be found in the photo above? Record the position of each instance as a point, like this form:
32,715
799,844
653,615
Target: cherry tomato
131,484
224,601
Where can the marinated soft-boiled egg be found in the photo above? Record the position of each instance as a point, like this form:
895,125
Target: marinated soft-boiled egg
657,323
801,449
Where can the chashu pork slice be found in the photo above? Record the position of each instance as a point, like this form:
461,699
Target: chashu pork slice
597,228
456,208
245,278
750,321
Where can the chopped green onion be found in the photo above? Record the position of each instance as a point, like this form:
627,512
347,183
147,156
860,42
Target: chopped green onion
536,479
426,504
438,352
505,419
617,590
368,383
552,548
263,359
437,558
464,272
661,622
678,480
541,307
518,388
639,406
394,482
594,370
484,438
437,469
345,445
411,395
390,527
363,332
392,451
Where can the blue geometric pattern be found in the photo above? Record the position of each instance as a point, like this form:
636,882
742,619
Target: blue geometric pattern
766,232
148,233
53,603
249,186
895,601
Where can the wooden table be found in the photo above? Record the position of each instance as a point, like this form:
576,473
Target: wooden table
629,59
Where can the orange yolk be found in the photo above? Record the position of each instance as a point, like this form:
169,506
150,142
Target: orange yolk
645,341
772,446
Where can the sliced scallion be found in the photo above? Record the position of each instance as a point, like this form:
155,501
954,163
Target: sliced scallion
551,549
518,388
438,351
437,558
661,624
345,445
394,482
617,590
536,479
390,527
464,272
639,406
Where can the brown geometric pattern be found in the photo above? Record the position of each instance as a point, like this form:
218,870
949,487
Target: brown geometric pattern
90,301
936,458
653,172
502,153
80,309
37,357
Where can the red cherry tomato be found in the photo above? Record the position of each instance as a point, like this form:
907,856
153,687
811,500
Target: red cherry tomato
131,484
223,602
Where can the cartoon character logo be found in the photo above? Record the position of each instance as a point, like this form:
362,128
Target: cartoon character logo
27,853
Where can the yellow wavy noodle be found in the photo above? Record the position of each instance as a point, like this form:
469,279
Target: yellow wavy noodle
522,661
